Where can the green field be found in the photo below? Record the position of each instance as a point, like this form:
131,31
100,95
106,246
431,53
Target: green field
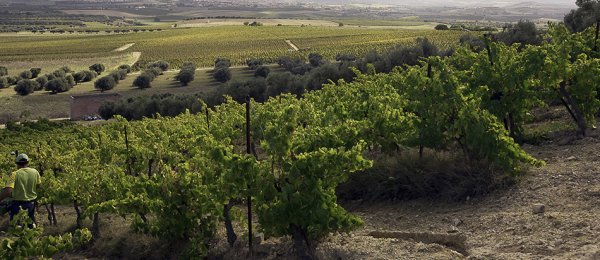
203,45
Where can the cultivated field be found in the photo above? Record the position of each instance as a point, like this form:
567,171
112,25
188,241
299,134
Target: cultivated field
203,45
264,22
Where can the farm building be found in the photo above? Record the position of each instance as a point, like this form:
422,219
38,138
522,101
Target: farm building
83,106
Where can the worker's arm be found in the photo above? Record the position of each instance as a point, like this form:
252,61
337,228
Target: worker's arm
6,193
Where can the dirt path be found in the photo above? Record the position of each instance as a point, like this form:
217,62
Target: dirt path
124,47
136,56
292,45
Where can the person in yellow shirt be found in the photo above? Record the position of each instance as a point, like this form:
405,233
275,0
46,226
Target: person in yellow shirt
22,187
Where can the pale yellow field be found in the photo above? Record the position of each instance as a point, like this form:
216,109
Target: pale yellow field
266,22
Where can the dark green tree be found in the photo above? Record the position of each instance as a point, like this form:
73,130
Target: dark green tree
586,15
26,86
35,72
441,27
98,68
143,81
105,83
25,74
57,85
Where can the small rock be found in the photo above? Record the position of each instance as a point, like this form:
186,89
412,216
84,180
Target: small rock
539,208
453,229
457,222
558,242
258,238
572,158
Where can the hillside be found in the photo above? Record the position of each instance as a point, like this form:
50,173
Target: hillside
501,225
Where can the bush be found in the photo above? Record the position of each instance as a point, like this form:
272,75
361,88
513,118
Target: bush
105,83
79,76
116,76
186,76
143,81
262,71
316,59
59,73
254,63
4,83
57,85
12,80
26,86
442,27
161,64
222,74
524,32
66,69
3,71
35,72
42,80
222,63
155,72
70,80
26,74
98,68
125,67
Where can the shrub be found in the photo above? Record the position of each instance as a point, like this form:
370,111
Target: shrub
59,73
254,63
154,71
66,69
3,71
161,64
143,81
222,63
262,71
70,80
42,80
316,59
25,74
125,67
26,86
35,72
4,83
441,27
222,75
98,68
57,85
105,83
116,76
185,76
79,76
90,75
12,80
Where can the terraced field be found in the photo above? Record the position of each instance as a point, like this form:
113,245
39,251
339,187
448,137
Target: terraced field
203,45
